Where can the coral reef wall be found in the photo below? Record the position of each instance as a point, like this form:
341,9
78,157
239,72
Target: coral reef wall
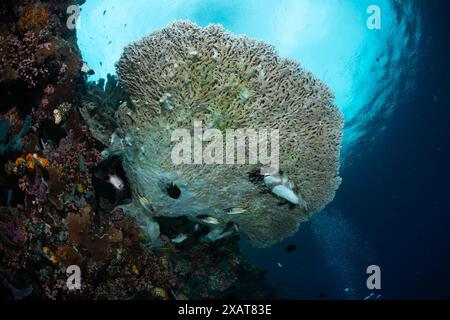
56,200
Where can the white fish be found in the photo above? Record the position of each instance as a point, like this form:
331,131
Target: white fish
272,181
85,68
286,193
280,185
211,220
179,238
116,182
279,265
233,211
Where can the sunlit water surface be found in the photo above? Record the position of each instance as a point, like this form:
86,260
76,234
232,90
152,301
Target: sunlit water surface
367,69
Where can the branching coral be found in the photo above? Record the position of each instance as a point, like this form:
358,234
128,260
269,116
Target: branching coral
99,105
184,73
70,165
24,57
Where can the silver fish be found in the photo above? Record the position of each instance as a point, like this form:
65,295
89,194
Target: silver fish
117,182
211,220
233,211
179,238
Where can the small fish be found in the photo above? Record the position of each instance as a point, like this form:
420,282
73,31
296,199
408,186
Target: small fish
116,181
109,42
286,193
233,211
179,238
279,265
290,248
85,68
211,220
373,296
104,12
281,186
145,203
370,296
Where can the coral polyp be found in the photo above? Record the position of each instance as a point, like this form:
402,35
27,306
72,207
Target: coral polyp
185,73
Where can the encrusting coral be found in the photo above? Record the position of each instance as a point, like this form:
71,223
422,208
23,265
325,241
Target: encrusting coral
185,73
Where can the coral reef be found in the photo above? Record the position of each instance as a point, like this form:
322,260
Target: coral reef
15,143
99,106
185,73
57,204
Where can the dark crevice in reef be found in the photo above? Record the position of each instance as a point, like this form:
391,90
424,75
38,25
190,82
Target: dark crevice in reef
173,191
49,131
108,195
58,193
17,93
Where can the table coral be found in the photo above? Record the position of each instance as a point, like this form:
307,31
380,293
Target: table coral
185,73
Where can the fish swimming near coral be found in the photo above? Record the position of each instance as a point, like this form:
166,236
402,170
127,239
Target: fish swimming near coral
86,69
281,186
179,238
290,248
232,211
116,182
286,193
211,220
186,73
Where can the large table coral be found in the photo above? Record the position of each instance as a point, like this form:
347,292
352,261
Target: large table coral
185,73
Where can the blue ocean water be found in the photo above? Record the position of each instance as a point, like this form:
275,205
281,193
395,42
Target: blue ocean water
392,86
